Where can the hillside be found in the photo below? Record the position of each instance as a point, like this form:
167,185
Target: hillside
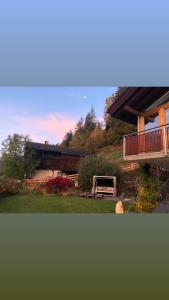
94,136
112,153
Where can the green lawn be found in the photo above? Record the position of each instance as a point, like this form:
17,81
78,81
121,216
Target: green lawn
54,204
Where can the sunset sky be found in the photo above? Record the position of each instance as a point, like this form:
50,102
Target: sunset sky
47,113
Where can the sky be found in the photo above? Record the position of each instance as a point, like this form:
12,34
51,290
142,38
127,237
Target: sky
47,113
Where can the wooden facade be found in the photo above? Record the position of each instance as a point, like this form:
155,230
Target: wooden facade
135,99
151,141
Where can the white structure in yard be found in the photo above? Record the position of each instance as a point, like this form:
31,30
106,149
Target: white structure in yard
104,185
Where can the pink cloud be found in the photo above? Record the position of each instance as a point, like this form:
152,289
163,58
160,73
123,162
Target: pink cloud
52,127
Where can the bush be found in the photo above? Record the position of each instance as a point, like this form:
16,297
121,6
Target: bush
99,166
148,191
9,186
58,185
145,207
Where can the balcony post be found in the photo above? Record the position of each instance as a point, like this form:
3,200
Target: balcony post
162,116
165,139
124,147
162,122
141,137
141,124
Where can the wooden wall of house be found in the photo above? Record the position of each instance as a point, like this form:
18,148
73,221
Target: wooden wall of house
69,163
49,161
65,163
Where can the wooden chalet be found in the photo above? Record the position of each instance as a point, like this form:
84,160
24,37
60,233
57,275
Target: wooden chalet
148,108
54,159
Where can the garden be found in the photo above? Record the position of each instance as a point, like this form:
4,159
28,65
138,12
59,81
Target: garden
59,195
55,196
18,194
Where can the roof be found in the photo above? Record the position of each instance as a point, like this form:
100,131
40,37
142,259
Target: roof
162,100
57,149
138,98
104,177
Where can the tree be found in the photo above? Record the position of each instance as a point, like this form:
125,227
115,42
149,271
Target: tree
82,137
115,129
31,161
67,139
1,167
18,158
96,140
79,138
108,103
90,121
79,126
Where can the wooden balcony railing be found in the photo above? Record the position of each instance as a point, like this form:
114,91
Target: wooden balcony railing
149,141
167,132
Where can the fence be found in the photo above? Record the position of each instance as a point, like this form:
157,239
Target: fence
35,182
129,167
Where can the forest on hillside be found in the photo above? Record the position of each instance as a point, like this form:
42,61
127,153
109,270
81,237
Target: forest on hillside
94,136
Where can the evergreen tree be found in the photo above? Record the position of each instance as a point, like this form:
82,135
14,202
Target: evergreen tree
90,121
67,139
79,126
115,129
91,135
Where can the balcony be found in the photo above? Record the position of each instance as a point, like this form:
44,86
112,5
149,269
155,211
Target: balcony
149,144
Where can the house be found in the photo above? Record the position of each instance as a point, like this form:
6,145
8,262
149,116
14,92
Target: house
55,160
148,109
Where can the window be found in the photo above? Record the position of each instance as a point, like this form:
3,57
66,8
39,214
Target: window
152,121
167,116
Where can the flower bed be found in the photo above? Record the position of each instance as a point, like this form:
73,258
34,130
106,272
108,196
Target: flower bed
58,185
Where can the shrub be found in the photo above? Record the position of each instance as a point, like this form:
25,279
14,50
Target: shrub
99,166
148,191
58,184
145,207
9,186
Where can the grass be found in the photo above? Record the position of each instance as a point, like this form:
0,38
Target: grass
54,204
